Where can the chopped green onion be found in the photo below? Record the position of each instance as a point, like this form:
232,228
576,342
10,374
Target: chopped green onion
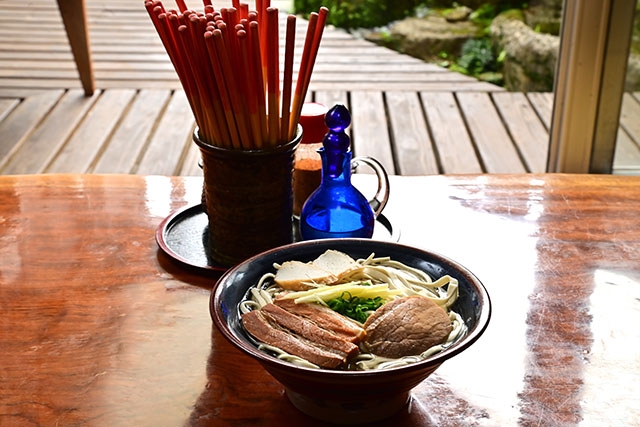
355,307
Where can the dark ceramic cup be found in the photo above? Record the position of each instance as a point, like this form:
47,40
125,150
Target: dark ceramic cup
248,198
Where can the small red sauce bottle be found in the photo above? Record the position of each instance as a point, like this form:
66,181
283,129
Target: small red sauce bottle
307,170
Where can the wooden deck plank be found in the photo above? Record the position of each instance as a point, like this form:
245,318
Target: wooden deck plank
369,85
320,76
630,116
51,32
50,134
21,93
156,62
525,127
29,65
88,140
346,77
331,97
31,84
41,129
165,153
130,40
122,33
413,145
452,141
627,155
18,122
542,102
491,139
6,106
315,85
190,165
132,134
369,131
326,50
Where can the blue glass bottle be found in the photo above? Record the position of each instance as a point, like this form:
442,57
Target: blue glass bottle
336,208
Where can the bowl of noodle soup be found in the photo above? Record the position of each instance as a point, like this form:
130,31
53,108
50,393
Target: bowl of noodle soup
369,388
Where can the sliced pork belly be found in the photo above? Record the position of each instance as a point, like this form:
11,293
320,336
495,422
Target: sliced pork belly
262,326
310,331
325,318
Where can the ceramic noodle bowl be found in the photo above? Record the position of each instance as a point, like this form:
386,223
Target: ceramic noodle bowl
348,397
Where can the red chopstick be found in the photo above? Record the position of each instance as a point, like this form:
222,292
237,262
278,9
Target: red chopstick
249,89
273,76
228,62
298,97
256,65
225,101
287,78
314,32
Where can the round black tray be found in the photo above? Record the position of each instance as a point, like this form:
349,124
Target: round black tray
184,236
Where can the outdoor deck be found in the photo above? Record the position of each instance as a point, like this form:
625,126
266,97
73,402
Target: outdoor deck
416,118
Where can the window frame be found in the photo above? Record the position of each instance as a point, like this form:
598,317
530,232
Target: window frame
589,84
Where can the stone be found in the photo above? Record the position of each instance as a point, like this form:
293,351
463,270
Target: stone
458,14
632,82
543,20
427,37
529,57
472,4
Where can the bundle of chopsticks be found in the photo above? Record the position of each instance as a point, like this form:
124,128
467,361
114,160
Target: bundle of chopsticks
228,62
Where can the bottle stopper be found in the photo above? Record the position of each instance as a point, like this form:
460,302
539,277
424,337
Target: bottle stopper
336,142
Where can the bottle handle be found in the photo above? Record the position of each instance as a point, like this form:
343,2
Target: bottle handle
381,197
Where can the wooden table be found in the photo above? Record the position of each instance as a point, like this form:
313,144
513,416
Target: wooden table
99,327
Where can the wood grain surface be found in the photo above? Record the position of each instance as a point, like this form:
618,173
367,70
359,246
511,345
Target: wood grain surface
99,327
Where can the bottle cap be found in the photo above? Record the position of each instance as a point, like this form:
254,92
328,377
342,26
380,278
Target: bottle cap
337,120
312,121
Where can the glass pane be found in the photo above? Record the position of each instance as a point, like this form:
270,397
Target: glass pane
627,154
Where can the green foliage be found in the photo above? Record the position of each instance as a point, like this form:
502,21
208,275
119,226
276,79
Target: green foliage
483,15
477,57
635,35
476,4
359,13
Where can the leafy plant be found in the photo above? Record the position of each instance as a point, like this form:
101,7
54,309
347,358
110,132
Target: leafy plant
484,14
476,58
359,13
